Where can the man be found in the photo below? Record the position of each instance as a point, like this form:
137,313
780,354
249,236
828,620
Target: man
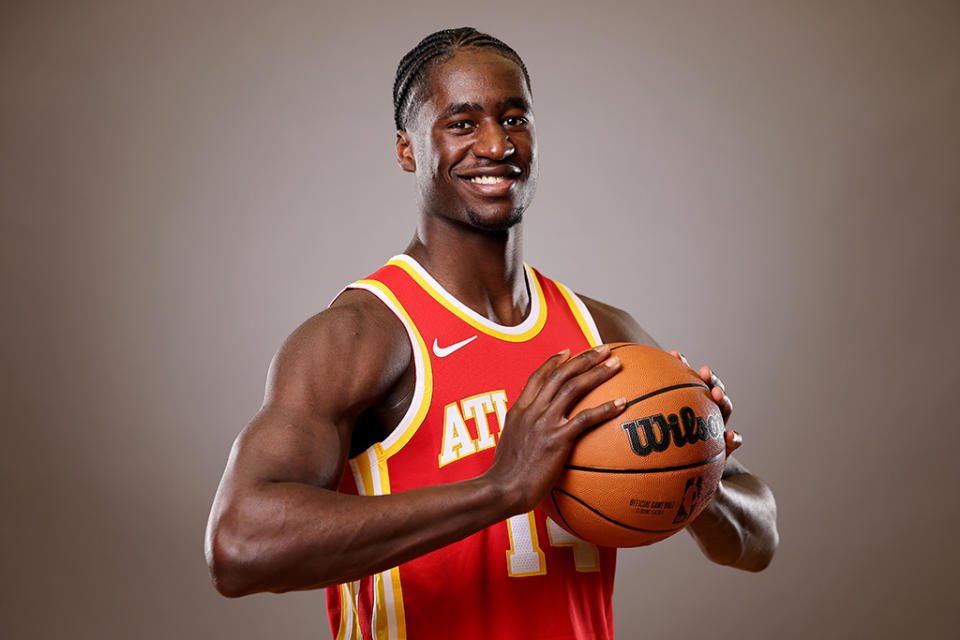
412,395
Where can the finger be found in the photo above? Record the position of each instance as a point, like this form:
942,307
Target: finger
593,416
723,401
539,376
716,381
705,374
679,356
571,391
567,370
733,440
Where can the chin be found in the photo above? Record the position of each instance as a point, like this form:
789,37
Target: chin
514,217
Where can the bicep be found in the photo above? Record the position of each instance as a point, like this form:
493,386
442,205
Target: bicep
283,444
327,372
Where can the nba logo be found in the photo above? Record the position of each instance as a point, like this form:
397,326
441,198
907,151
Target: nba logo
691,493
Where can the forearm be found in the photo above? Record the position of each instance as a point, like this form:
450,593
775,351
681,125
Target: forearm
278,525
287,536
739,526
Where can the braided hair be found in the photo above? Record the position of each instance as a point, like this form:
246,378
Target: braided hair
436,48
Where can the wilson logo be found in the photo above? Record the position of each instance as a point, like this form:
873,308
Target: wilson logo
655,434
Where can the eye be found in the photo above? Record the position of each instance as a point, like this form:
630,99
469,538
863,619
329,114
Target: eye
460,125
514,121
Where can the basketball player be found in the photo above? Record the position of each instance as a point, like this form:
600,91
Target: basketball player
410,430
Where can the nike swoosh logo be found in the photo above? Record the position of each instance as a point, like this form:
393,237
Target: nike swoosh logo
443,352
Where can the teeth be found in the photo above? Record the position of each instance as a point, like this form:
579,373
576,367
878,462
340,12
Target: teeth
487,179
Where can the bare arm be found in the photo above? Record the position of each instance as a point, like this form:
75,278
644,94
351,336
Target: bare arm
739,526
278,523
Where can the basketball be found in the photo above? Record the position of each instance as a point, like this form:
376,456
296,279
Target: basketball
648,472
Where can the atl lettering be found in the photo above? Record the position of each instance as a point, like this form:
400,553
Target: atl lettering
656,433
458,441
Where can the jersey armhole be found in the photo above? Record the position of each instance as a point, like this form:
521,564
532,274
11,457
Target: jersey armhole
582,314
423,375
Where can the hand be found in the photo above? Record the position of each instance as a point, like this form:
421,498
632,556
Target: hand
718,392
537,435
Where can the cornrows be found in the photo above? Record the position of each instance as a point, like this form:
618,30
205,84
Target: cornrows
434,49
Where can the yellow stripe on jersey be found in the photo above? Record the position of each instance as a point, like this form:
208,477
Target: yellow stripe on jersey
389,622
346,613
360,466
349,621
371,471
382,474
372,479
400,621
486,326
581,314
399,438
381,626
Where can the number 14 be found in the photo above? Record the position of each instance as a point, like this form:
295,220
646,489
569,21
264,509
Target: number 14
525,558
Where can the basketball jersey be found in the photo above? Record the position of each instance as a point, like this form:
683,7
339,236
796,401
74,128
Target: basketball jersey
524,577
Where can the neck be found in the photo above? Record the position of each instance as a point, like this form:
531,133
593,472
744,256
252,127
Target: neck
482,269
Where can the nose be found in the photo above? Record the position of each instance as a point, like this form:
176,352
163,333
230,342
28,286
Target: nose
493,142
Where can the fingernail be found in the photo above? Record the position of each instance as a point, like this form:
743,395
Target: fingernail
737,438
565,352
613,362
619,403
601,347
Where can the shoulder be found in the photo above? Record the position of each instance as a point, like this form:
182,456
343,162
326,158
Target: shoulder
616,325
344,358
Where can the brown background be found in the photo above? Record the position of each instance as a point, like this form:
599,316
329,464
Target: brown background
771,187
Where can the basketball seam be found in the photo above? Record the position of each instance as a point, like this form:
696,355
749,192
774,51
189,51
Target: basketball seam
657,470
609,519
674,387
556,506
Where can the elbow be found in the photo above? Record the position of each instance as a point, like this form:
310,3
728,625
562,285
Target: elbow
747,538
750,554
226,575
227,562
763,543
761,559
770,545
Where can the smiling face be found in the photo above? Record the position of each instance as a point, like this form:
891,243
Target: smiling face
471,142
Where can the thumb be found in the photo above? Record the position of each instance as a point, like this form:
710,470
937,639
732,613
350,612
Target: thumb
733,441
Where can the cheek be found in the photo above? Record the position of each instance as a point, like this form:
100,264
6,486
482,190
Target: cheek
427,165
430,159
534,163
527,146
429,172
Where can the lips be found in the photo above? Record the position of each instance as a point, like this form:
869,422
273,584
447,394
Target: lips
491,181
486,179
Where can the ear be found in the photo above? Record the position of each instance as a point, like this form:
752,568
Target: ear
405,152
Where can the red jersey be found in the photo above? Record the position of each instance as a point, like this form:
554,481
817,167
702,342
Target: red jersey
522,578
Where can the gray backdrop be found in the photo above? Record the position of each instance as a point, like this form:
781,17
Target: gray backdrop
771,187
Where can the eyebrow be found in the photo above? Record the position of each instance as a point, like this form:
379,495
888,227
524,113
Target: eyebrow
464,107
460,107
514,103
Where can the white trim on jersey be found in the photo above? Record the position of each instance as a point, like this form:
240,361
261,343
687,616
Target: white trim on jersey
528,322
584,311
385,576
419,388
392,626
